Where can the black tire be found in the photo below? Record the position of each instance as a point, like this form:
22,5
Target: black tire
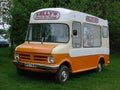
62,74
100,67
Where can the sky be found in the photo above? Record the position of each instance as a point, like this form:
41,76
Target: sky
5,26
2,4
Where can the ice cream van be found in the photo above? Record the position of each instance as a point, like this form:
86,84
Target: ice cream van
63,41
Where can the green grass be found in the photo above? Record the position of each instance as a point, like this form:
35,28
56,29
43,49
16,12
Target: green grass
109,79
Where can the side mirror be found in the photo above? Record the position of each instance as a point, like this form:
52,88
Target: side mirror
75,32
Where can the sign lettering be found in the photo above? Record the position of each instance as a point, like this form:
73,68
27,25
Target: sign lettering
92,19
47,15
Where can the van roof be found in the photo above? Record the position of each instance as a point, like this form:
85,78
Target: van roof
67,14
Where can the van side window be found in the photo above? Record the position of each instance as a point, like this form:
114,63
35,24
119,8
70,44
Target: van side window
91,35
105,32
76,31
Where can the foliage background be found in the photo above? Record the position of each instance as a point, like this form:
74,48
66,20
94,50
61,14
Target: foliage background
106,9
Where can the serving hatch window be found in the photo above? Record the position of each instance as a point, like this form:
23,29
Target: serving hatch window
46,32
92,35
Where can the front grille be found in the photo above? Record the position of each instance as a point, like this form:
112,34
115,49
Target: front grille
40,58
36,57
24,57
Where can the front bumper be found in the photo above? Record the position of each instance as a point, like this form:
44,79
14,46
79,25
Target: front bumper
38,66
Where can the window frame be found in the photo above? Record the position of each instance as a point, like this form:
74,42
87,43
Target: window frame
103,32
77,36
100,36
28,33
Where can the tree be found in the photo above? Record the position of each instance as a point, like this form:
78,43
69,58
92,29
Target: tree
106,9
4,11
20,17
114,25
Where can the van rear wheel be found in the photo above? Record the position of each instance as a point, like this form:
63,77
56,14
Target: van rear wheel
100,67
62,74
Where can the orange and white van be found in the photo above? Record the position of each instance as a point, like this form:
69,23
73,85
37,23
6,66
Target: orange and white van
63,41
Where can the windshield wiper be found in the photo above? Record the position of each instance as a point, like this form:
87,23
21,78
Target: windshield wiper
43,37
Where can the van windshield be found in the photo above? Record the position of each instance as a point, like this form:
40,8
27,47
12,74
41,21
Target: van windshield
46,32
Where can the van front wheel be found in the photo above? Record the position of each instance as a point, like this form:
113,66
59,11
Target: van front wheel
62,74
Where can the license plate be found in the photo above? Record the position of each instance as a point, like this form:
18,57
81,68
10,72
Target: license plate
30,65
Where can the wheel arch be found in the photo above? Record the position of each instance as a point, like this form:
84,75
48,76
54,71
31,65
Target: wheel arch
66,63
101,60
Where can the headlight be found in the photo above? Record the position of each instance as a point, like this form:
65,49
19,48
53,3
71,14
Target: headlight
17,57
51,59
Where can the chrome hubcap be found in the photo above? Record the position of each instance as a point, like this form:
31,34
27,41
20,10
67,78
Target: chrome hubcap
99,67
64,76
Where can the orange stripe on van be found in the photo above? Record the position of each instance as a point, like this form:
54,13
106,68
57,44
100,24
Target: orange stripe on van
77,64
81,63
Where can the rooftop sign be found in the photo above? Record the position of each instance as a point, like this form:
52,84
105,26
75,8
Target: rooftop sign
46,15
92,19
